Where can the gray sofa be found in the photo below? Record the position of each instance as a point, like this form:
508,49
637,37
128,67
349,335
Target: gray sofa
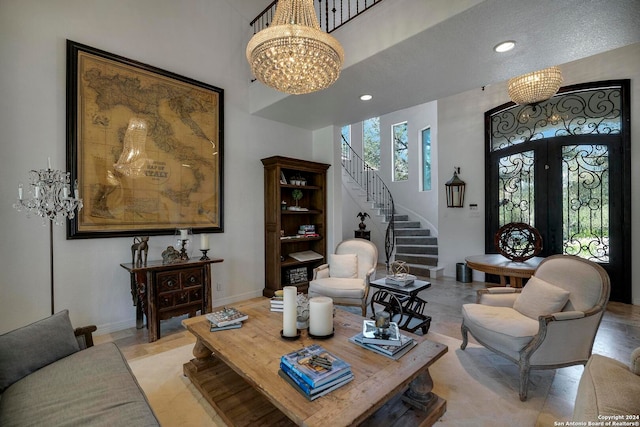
609,391
51,377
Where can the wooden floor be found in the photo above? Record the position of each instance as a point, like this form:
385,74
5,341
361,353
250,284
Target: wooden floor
618,335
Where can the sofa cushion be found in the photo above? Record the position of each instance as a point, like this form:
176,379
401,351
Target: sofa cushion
93,387
507,329
539,298
31,347
343,266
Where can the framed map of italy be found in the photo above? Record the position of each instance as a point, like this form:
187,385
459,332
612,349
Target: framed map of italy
144,145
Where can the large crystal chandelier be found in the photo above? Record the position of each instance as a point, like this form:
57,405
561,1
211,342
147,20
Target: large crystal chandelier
536,86
293,55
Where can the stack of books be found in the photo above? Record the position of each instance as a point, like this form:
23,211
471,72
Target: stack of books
307,230
227,318
394,345
400,279
277,304
314,372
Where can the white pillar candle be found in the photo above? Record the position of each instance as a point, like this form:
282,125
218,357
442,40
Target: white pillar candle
290,300
20,191
321,316
204,241
65,192
49,163
183,234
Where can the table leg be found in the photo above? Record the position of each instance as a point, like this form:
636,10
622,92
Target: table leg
419,394
201,351
139,292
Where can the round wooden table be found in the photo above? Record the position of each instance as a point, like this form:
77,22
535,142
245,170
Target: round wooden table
504,267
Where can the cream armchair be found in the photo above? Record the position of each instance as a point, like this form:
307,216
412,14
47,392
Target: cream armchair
346,276
550,323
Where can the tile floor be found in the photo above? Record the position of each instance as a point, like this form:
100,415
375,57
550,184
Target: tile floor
618,335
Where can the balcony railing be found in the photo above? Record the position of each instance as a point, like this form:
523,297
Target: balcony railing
332,14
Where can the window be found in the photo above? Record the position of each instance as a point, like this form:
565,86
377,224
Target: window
346,142
371,142
400,152
426,159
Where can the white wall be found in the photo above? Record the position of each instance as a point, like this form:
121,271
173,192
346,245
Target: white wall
201,39
461,143
407,196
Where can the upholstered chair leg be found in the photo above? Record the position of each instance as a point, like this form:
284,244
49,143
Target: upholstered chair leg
524,380
364,309
465,338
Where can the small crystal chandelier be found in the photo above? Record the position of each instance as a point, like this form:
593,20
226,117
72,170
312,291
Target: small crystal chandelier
293,55
536,86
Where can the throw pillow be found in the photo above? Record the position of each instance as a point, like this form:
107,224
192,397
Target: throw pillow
540,298
32,347
344,266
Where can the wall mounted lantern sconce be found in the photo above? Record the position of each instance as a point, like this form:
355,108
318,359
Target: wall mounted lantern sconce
455,190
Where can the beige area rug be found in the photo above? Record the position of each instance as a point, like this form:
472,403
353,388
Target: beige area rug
481,388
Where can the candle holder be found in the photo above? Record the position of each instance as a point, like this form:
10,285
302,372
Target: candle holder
184,237
204,254
183,250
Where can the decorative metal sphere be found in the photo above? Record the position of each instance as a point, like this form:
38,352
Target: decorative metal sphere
399,268
518,241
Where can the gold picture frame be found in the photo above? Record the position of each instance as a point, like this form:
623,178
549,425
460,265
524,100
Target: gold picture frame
144,145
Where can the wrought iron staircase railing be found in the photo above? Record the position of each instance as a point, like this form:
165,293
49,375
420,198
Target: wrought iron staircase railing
332,14
377,192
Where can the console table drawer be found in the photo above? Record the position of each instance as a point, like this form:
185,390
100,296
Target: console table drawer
170,300
171,281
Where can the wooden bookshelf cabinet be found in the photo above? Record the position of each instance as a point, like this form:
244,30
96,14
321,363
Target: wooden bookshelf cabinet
282,224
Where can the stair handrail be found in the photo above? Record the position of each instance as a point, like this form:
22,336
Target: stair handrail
376,190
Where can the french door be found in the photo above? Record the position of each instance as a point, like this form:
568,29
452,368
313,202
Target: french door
563,167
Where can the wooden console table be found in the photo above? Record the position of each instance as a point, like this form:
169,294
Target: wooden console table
504,267
162,291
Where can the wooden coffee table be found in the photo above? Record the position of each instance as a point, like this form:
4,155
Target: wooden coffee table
237,372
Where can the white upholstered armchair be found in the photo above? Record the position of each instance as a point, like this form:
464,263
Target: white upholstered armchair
550,323
346,276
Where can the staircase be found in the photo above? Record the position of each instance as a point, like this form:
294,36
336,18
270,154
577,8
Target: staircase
416,247
409,241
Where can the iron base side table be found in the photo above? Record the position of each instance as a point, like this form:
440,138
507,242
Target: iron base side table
403,302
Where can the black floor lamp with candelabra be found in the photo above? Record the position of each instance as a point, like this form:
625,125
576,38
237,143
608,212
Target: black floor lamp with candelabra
49,196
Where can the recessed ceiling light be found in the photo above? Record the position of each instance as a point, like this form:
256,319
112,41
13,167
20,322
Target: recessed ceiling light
365,97
505,46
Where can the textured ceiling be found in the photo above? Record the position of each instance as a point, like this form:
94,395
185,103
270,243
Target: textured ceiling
455,56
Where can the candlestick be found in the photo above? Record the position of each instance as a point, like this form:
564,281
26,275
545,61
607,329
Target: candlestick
204,254
321,316
290,311
204,241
